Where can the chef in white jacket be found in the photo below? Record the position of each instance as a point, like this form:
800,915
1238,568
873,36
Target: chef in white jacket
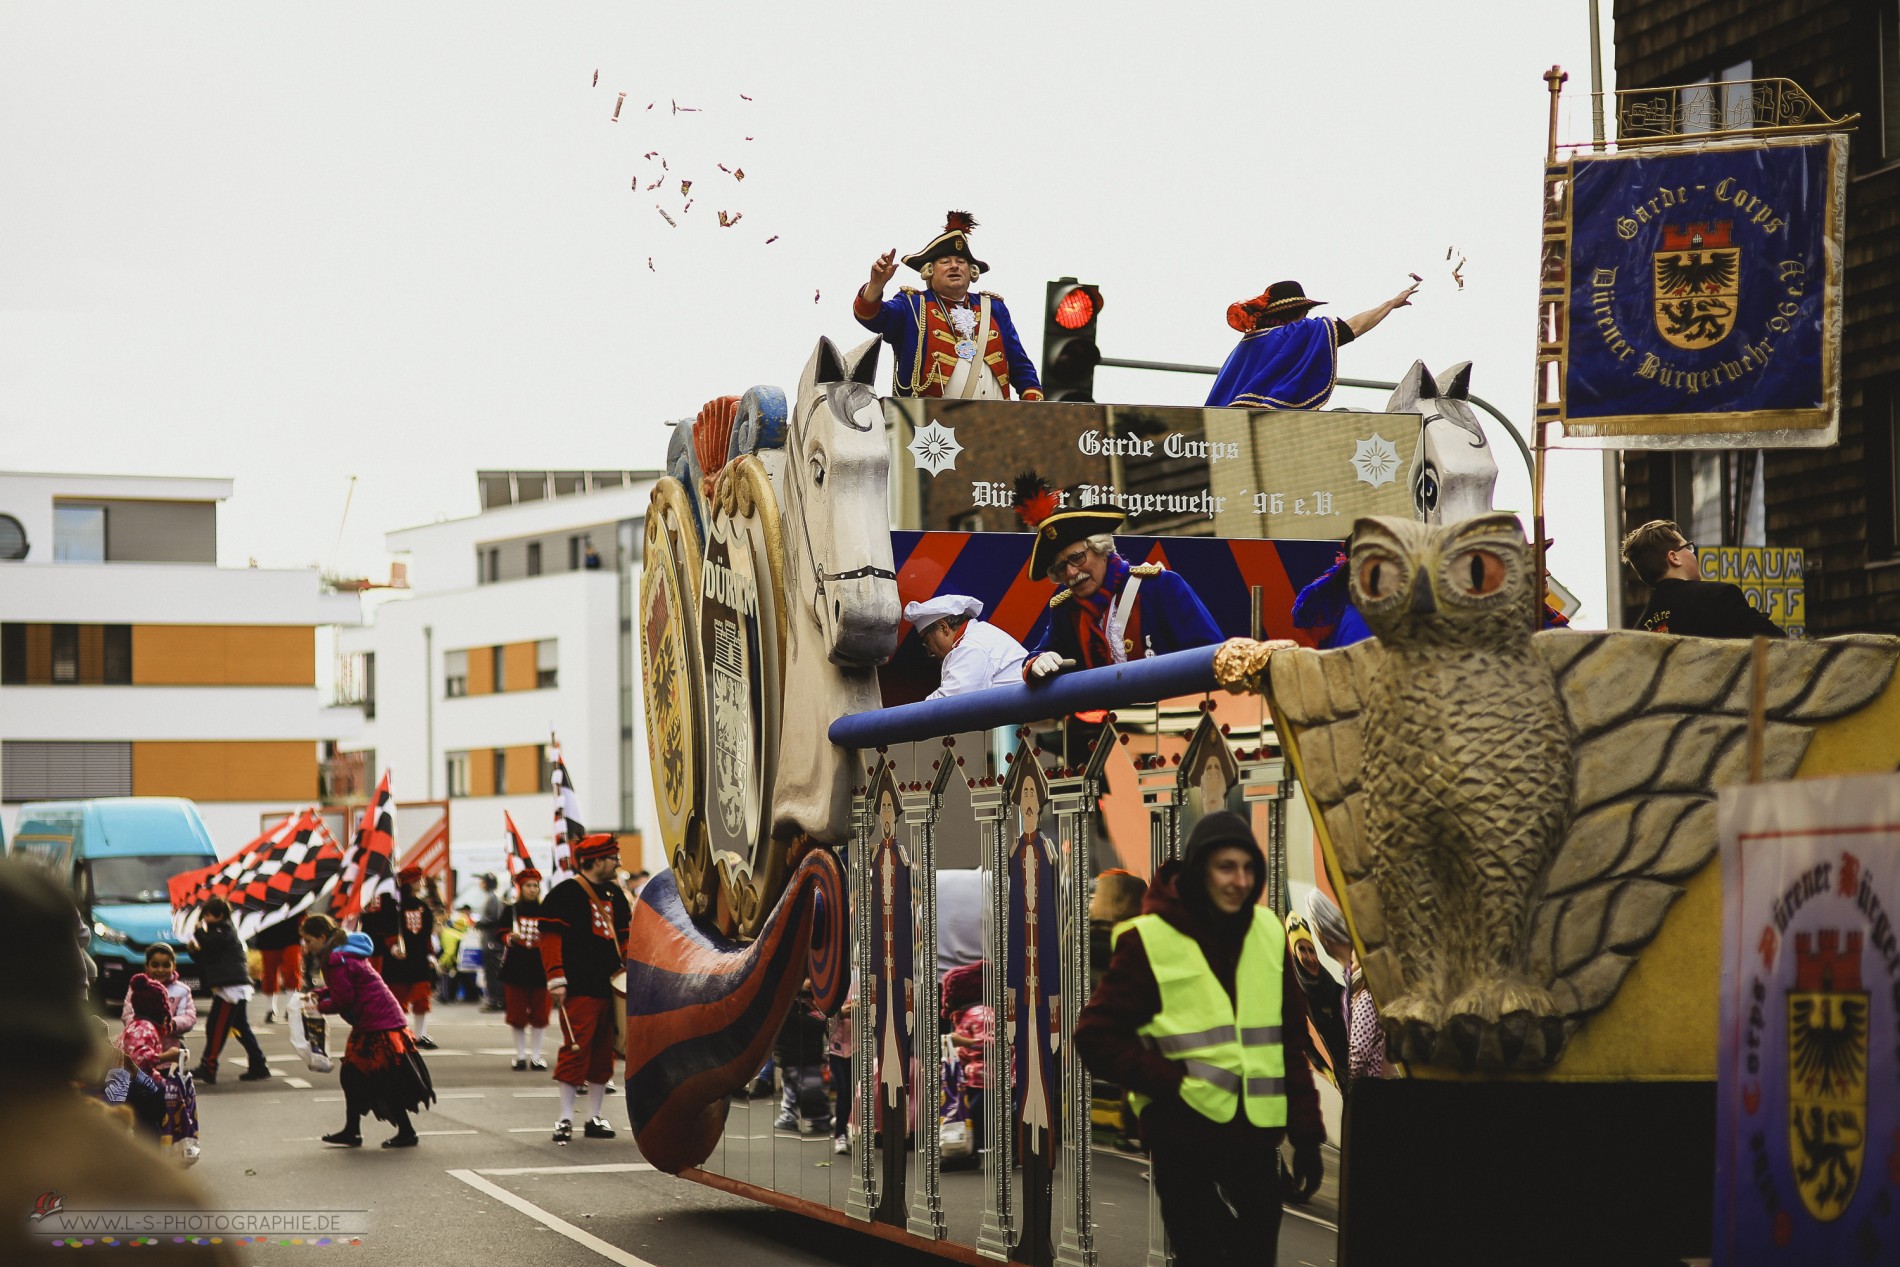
976,655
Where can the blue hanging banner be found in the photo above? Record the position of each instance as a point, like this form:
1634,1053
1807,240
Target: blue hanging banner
1704,294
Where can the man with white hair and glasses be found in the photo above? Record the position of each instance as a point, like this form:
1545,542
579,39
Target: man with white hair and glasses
1106,611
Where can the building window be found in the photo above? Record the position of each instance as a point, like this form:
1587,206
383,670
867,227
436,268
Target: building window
118,655
501,770
454,674
12,654
498,659
1881,461
65,653
534,558
79,534
490,570
457,773
31,770
546,783
573,554
547,664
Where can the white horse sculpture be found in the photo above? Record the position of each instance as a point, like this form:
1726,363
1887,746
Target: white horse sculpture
1453,474
841,589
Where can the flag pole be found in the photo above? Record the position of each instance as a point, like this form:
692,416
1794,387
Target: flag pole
1555,78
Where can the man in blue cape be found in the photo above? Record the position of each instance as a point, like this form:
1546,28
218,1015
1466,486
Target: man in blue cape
1285,358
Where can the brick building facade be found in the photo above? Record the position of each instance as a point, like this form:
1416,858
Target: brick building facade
1840,505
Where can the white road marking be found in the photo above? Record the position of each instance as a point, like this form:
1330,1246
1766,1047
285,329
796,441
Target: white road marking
604,1168
300,1083
1312,1218
549,1094
448,1132
588,1240
461,1095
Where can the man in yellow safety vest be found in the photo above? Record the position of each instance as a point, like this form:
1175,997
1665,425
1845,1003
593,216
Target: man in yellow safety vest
1190,1018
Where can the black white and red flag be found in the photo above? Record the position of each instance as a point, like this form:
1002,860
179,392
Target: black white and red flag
519,859
567,811
291,877
190,891
369,869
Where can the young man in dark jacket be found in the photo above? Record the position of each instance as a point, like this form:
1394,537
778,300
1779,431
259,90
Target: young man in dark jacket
226,974
1680,601
1203,1054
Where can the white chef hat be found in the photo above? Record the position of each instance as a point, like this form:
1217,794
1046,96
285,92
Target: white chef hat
927,613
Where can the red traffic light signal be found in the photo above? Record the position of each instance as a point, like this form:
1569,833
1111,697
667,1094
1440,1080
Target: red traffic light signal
1076,308
1069,354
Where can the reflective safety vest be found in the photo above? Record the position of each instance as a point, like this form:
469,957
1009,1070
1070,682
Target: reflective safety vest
1225,1051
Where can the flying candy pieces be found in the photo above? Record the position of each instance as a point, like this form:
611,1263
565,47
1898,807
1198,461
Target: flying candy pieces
680,109
650,267
669,219
686,187
814,296
597,77
743,97
728,219
722,167
739,174
617,104
771,239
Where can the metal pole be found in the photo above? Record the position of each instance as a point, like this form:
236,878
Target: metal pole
1612,460
428,706
1555,77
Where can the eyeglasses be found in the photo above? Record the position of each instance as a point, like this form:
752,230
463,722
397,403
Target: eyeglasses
1687,545
1067,563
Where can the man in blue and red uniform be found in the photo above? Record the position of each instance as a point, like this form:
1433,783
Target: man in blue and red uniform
1285,358
948,340
1108,611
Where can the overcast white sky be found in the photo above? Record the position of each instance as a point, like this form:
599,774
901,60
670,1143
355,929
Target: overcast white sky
292,244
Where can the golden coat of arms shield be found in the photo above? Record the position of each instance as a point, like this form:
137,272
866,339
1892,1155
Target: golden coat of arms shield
1698,284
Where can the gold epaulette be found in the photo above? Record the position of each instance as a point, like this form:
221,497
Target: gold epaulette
907,290
1061,597
992,294
1146,569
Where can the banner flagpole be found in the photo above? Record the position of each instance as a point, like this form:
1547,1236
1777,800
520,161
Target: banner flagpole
1554,77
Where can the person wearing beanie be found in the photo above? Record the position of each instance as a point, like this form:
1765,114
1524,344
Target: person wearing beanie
381,1072
583,928
947,339
1190,1018
1287,359
523,977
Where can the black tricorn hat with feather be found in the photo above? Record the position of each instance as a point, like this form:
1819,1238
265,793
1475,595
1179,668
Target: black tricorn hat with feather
954,240
1039,507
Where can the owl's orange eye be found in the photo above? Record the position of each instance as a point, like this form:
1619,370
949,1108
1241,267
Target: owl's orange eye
1477,572
1378,578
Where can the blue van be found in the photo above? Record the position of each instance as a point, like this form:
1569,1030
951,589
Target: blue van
117,855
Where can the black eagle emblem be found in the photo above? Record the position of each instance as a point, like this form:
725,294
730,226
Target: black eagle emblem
1827,1042
1701,272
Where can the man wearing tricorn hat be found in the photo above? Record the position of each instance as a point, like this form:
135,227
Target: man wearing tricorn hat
1107,611
975,654
1287,359
948,340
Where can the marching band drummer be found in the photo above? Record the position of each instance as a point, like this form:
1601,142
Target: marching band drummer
948,340
976,655
1107,611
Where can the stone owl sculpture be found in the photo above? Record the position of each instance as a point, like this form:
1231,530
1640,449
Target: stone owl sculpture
1512,814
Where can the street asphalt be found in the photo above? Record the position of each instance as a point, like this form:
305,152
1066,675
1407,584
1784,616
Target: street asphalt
488,1184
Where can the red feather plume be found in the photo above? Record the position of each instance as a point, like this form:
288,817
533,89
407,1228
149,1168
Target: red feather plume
958,222
1034,500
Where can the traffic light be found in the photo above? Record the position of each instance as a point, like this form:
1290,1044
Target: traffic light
1069,354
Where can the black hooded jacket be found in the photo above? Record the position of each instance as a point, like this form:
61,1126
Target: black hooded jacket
1127,998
